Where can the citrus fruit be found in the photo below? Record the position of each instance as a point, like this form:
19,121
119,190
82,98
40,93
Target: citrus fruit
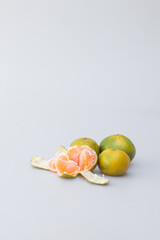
77,158
86,141
61,155
69,163
113,162
119,142
67,168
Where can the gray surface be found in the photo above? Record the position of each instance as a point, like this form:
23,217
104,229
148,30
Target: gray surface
72,69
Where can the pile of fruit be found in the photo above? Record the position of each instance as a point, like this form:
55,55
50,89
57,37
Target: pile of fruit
113,157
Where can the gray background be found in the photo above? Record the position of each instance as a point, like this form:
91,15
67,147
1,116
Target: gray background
70,69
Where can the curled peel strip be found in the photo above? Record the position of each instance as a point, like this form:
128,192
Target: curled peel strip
39,162
94,178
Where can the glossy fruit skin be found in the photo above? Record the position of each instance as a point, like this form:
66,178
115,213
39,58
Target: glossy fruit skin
119,142
88,142
113,162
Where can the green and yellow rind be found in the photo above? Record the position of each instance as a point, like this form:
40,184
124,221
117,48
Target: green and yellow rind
119,142
86,141
94,178
113,162
67,175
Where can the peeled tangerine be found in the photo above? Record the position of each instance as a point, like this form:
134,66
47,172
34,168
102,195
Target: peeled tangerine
68,163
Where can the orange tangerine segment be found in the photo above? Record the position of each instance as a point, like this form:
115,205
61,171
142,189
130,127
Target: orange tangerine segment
73,153
62,157
87,159
68,167
77,158
52,162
